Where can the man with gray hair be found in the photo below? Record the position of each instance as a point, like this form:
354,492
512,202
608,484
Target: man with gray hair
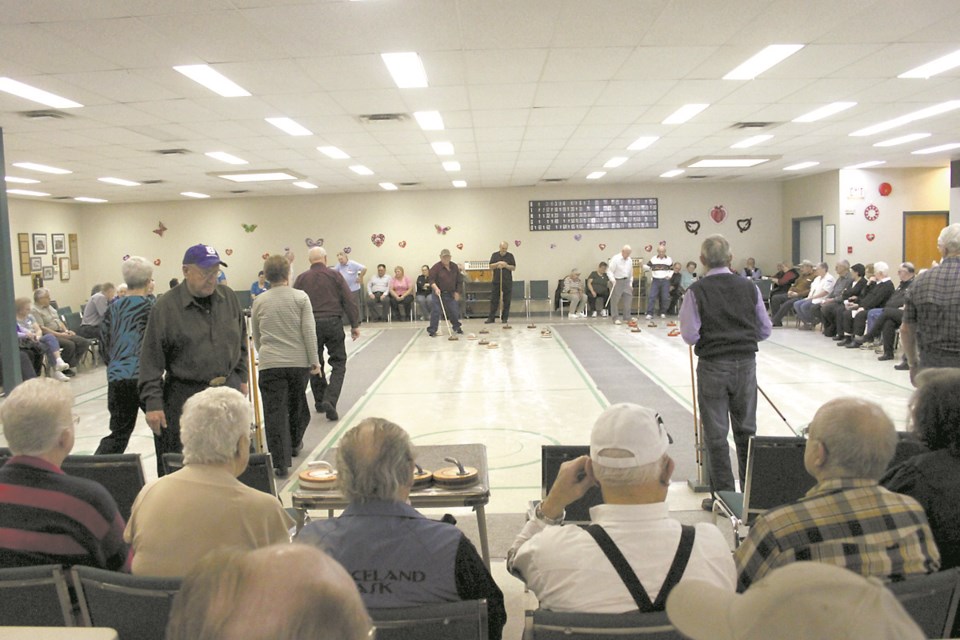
397,557
827,309
633,553
854,321
620,272
819,290
846,519
47,517
121,336
782,303
723,317
931,312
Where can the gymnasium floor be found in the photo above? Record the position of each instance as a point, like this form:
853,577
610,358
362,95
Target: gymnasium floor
533,390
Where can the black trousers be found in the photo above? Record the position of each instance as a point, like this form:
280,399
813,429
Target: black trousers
285,410
123,402
72,349
406,302
89,331
598,302
330,335
854,323
495,299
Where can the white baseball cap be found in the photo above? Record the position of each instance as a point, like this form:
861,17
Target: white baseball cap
633,429
800,601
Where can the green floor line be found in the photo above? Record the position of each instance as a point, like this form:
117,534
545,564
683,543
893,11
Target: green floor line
824,360
588,381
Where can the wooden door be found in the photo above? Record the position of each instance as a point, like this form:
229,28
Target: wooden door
920,232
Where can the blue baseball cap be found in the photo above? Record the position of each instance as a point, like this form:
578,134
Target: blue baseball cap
202,255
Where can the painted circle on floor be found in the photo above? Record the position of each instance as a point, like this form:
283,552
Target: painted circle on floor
506,448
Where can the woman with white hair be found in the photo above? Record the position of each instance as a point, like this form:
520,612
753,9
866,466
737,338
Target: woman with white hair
573,293
180,517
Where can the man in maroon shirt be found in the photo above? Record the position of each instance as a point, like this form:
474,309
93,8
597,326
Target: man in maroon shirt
445,281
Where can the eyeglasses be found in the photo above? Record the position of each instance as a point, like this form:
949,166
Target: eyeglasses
207,274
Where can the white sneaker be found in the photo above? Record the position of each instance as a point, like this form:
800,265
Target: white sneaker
603,314
617,322
649,317
57,375
583,314
61,365
663,316
593,315
574,314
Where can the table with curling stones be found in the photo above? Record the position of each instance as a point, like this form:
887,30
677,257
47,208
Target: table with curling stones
476,495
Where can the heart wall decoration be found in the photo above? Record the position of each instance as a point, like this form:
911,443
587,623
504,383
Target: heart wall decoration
402,244
377,239
871,237
648,248
718,214
692,226
347,250
311,243
578,237
743,224
229,252
460,246
266,254
516,243
602,246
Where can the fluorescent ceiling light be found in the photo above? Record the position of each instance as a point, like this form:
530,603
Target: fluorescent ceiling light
406,68
684,113
33,166
892,142
359,169
21,180
726,163
303,184
429,120
289,126
120,181
257,176
867,165
596,175
26,192
801,165
388,186
459,184
223,156
937,149
939,65
451,165
442,148
333,152
85,199
613,163
213,80
749,142
36,95
825,111
929,112
193,194
642,142
766,58
673,173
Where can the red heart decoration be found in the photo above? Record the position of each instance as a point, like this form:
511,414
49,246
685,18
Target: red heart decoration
229,252
402,243
157,262
871,236
126,257
516,243
602,246
718,213
648,248
377,239
265,255
460,246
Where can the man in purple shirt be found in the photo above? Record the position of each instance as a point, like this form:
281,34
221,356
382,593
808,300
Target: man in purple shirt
723,318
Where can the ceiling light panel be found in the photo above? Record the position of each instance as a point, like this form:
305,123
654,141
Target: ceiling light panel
194,194
642,143
929,112
459,184
613,163
43,168
223,156
333,152
361,170
892,142
726,163
801,166
763,60
930,69
685,113
86,199
406,69
287,125
867,165
943,147
429,120
33,94
213,80
257,176
388,186
21,180
120,181
751,141
442,148
26,192
303,184
825,111
451,165
673,173
596,175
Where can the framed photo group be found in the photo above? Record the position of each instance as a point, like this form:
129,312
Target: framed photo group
33,247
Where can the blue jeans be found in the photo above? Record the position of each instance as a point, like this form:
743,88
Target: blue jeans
727,392
872,316
451,306
659,288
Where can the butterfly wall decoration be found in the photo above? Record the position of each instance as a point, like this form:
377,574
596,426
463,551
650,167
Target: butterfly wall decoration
160,229
249,228
313,243
441,229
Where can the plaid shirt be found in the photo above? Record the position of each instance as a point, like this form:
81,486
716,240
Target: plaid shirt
850,522
933,307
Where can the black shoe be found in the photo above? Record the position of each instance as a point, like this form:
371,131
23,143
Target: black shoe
459,331
504,321
432,334
777,324
885,357
69,373
296,450
318,407
853,344
281,472
489,321
707,504
844,342
837,338
330,411
903,366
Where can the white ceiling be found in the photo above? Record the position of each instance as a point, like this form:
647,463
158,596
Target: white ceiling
529,89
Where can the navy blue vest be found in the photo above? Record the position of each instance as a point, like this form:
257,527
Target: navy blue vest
728,318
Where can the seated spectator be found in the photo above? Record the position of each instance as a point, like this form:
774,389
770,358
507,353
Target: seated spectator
598,290
827,308
846,519
379,538
855,313
401,295
72,346
260,286
121,291
676,289
180,517
805,601
819,290
424,293
751,270
832,315
46,516
94,309
378,293
31,362
689,276
568,568
891,315
28,330
573,293
933,479
782,303
280,592
782,279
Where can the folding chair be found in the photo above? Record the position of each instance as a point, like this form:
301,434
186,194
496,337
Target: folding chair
258,474
539,291
775,476
551,457
121,474
552,625
73,322
35,597
136,606
463,620
765,286
931,601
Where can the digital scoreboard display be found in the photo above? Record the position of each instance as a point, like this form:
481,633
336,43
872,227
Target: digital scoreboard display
600,213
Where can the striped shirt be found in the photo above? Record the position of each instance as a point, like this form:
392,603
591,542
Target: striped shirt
121,335
850,522
284,330
932,306
48,517
661,268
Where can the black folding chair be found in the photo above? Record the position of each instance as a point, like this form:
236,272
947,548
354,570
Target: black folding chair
551,625
121,474
35,597
136,606
463,620
931,601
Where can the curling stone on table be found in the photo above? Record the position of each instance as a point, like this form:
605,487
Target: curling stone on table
321,477
421,477
455,477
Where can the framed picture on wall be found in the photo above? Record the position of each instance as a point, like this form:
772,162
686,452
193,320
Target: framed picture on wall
74,251
23,242
36,264
48,273
64,269
59,241
39,244
830,239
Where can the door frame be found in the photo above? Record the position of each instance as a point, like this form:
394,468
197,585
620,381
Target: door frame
903,230
795,240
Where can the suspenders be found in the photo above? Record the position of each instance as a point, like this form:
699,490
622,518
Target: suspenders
630,579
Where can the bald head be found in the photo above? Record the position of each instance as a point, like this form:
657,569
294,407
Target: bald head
850,438
281,592
317,254
503,246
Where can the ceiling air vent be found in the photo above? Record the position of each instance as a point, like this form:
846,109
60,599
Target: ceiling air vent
375,118
554,180
151,182
239,191
44,114
173,152
751,125
62,198
409,184
696,177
